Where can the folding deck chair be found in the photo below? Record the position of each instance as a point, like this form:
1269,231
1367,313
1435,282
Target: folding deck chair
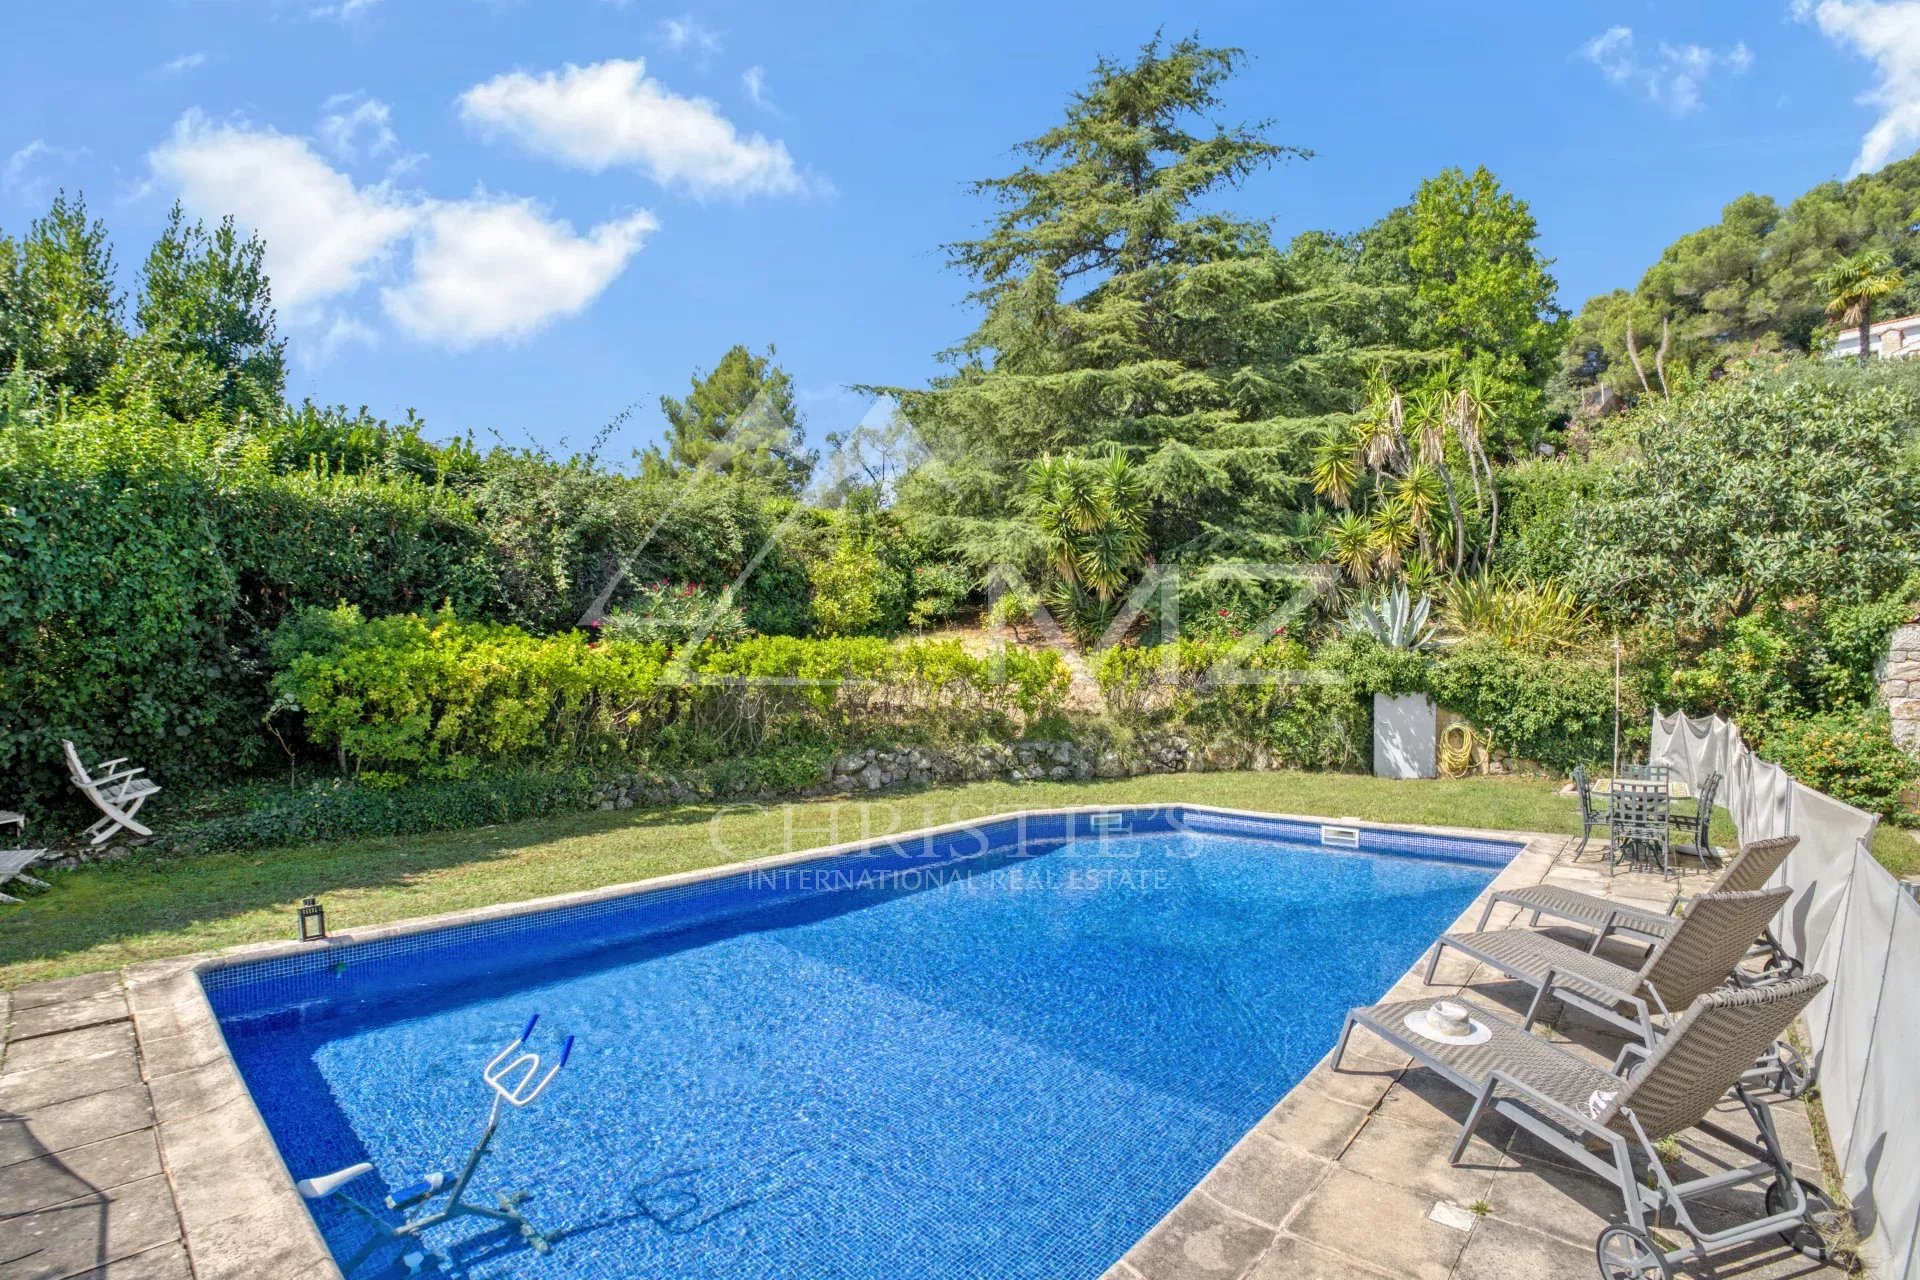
116,792
14,862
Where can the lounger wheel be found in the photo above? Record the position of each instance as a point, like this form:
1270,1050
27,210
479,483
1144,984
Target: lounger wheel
1811,1237
1795,1075
1628,1254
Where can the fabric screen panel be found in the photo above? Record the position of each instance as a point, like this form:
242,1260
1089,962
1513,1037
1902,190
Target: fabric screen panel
1849,919
1883,1165
1818,921
1857,968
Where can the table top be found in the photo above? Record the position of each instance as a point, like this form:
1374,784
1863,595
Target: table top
1677,788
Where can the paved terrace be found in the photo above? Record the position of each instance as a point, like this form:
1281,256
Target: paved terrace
129,1151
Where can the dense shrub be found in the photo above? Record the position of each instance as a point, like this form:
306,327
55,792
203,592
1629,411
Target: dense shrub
675,613
438,697
1784,663
1539,502
1754,489
1850,755
1557,711
1224,694
571,540
145,562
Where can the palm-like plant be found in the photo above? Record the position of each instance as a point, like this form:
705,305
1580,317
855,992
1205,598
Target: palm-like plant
1393,535
1351,536
1091,515
1538,617
1423,493
1853,285
1336,465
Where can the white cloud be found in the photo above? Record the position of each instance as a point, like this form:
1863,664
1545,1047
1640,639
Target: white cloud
1612,52
452,272
354,125
1673,76
343,10
21,176
182,64
324,235
611,113
687,32
1887,32
754,80
486,269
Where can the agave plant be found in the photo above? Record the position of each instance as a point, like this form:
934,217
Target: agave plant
1395,618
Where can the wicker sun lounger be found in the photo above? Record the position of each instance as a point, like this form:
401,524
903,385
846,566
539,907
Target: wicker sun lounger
1750,868
1608,1121
1700,954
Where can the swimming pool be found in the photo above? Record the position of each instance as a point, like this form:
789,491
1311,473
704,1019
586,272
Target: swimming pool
1002,1051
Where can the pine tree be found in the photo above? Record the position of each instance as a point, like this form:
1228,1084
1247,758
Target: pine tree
204,295
739,420
1125,315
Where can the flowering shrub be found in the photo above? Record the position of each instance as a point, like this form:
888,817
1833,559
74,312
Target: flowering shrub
1850,755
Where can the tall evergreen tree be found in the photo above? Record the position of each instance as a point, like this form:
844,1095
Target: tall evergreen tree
205,295
60,312
1126,315
739,420
1750,282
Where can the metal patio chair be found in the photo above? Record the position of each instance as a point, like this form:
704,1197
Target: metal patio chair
1660,773
1593,813
1700,954
1640,823
1699,823
1608,1121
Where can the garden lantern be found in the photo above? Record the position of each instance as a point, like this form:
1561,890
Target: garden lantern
313,920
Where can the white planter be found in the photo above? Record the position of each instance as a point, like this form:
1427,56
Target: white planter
1405,730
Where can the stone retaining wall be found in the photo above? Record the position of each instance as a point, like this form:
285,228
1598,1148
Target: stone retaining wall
1900,686
883,768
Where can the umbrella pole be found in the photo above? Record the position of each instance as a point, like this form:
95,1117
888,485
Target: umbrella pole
1616,704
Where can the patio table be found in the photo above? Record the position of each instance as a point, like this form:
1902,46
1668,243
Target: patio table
1677,789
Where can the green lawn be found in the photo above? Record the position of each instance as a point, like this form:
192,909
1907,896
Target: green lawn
140,909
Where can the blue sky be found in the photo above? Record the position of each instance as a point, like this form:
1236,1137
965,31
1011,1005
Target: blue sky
524,218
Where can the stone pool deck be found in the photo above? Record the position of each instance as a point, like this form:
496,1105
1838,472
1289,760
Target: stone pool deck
129,1150
1348,1175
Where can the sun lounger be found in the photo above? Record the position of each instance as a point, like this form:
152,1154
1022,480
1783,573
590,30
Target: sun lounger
1700,954
1608,1121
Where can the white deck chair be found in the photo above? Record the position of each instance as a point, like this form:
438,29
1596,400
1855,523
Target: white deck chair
116,792
14,862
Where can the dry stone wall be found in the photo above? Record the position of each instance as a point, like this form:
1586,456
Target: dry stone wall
1900,686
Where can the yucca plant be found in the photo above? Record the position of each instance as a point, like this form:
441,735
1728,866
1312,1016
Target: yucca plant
1351,535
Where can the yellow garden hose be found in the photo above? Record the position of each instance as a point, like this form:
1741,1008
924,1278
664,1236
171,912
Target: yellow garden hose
1458,748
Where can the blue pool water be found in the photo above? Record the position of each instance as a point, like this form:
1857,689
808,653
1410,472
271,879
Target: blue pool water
1003,1065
